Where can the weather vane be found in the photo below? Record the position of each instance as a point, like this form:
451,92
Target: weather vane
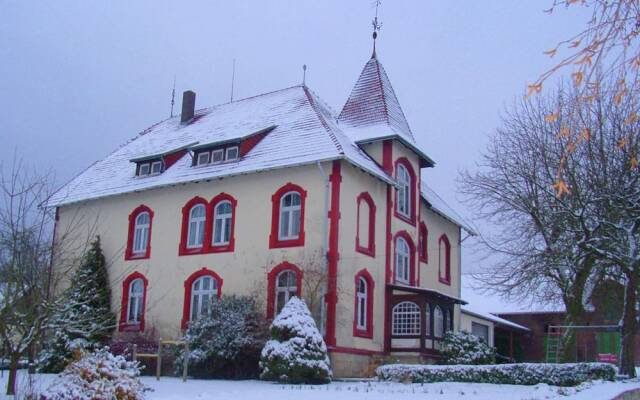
376,25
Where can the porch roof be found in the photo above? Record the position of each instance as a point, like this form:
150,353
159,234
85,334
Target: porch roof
430,292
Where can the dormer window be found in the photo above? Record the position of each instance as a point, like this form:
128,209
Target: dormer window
144,169
150,167
203,158
232,153
216,155
156,167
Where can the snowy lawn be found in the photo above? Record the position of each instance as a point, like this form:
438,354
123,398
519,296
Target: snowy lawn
175,389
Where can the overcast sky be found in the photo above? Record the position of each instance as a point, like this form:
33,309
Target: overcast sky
79,78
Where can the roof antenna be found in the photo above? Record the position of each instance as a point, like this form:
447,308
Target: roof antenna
233,78
173,95
304,74
376,27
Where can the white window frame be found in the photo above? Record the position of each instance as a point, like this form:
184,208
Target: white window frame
141,233
403,194
213,156
135,300
197,296
475,326
142,166
402,260
223,226
153,165
229,149
198,223
291,211
289,290
427,317
405,319
438,322
201,155
361,304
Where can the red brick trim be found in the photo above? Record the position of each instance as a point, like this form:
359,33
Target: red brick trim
271,285
412,205
128,253
387,165
124,306
212,248
188,284
412,256
423,241
333,254
446,278
368,331
183,249
370,247
274,242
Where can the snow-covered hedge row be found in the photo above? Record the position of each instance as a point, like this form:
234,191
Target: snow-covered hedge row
515,374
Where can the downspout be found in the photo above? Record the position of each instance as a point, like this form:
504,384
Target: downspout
324,249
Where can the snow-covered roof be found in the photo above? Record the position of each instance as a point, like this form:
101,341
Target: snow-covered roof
469,309
305,132
440,207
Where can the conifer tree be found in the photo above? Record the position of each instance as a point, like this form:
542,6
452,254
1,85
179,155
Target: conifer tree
85,319
296,353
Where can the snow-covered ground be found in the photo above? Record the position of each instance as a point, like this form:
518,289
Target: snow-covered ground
175,389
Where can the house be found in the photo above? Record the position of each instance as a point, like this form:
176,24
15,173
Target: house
275,196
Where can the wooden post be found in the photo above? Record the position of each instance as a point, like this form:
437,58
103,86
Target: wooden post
134,353
159,360
185,364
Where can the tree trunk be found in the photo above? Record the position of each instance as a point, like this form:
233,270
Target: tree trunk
13,373
574,305
629,326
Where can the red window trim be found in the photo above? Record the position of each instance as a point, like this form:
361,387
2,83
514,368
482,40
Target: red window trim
184,250
446,279
368,331
274,242
128,254
423,240
412,257
124,306
271,286
186,305
370,248
231,245
412,210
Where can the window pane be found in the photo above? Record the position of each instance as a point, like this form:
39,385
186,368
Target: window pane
194,307
284,224
295,229
218,155
295,199
227,230
427,317
217,231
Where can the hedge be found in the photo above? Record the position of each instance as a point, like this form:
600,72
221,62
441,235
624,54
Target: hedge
514,374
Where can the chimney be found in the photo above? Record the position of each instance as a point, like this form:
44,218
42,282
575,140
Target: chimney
188,106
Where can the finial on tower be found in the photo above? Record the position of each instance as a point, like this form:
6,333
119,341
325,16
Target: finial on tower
173,95
376,27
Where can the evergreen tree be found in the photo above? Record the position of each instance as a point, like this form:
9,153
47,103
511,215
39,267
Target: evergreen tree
84,319
296,353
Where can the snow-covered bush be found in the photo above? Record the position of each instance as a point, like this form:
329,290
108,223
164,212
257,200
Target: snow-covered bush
226,342
465,348
296,352
84,320
513,374
97,376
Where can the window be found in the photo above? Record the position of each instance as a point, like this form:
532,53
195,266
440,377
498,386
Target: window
144,169
402,261
199,291
222,223
363,314
197,217
285,281
427,319
366,225
361,301
203,158
139,235
136,294
156,167
232,153
480,330
444,260
405,202
449,321
203,291
134,289
438,322
287,219
217,156
405,319
423,243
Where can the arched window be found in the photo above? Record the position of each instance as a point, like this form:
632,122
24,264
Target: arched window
438,322
287,225
427,319
366,225
134,292
222,223
203,291
199,290
285,281
423,243
138,242
361,301
197,219
444,260
363,311
402,261
405,204
405,319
